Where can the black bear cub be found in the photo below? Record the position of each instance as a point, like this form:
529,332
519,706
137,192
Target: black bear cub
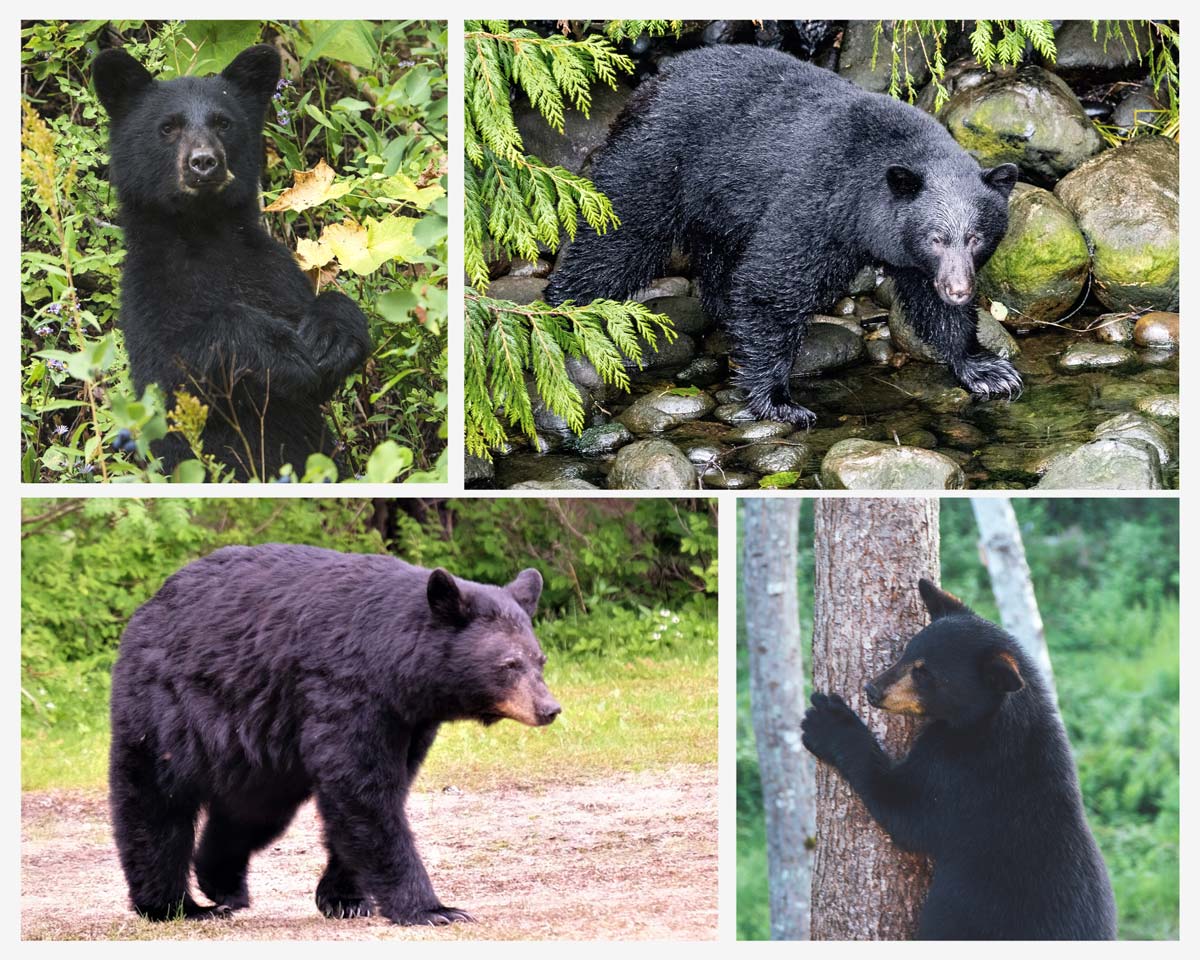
210,303
780,180
259,676
988,790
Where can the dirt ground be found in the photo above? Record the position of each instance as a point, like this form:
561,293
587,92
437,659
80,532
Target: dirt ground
633,857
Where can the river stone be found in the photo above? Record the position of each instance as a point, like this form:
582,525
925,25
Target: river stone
1157,356
1130,426
705,453
734,413
732,395
989,332
1094,356
846,307
477,471
554,485
1157,329
1077,50
960,76
687,316
554,469
860,64
774,457
1110,464
880,351
1126,201
1113,328
870,465
530,268
652,465
1161,406
1030,118
826,346
760,430
960,433
657,411
677,353
865,281
519,290
1138,108
720,479
597,441
581,134
663,287
703,371
1041,266
885,293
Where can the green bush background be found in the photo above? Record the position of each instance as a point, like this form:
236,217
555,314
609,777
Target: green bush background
368,98
1106,574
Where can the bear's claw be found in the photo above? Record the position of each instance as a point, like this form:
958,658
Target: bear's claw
336,908
987,375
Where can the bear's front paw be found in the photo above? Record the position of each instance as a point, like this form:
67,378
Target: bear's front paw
344,908
830,728
987,375
778,405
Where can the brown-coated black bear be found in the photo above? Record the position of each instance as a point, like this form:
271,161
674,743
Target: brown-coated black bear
259,676
988,790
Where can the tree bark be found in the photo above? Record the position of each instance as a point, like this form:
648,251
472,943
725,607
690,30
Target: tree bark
770,530
869,555
1003,554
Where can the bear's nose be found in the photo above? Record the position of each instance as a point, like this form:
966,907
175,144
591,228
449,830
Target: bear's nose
202,161
547,714
873,694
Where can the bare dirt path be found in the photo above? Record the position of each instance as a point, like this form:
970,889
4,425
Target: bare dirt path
632,857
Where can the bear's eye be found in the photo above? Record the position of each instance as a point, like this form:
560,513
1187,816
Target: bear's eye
167,128
973,240
938,241
513,664
222,123
919,672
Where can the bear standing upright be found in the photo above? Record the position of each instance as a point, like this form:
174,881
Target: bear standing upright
780,180
210,303
988,790
260,675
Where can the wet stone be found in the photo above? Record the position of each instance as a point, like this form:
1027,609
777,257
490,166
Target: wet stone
677,353
732,395
720,479
554,485
519,290
598,441
1110,464
777,457
1095,356
704,371
846,307
1130,426
868,465
652,465
733,413
827,346
530,268
554,469
880,352
687,316
1157,356
477,471
960,433
1161,406
1113,328
918,438
703,453
1158,329
657,411
949,400
664,287
760,430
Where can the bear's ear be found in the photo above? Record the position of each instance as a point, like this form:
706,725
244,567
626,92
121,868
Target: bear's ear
938,602
1002,673
445,599
904,182
119,80
256,70
526,589
1002,178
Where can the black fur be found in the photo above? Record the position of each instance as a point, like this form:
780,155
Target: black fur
781,180
988,790
209,302
260,675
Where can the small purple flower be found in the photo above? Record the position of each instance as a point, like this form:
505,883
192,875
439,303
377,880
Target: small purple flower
283,118
277,96
44,331
283,84
61,430
56,365
86,468
55,308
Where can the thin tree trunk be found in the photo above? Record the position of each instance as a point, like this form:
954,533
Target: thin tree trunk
770,530
869,555
1003,554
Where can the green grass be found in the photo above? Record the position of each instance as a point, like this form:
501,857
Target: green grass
622,713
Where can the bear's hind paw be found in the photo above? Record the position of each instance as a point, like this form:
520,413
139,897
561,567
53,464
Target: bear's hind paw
781,410
988,376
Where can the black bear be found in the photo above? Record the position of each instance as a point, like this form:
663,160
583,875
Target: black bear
988,790
780,180
210,303
260,675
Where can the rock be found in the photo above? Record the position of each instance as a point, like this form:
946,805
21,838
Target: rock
760,430
960,433
581,135
992,336
705,454
1161,406
554,469
598,441
1129,426
846,323
865,281
1126,201
703,371
1094,356
718,343
885,293
519,290
530,268
880,351
553,485
733,413
860,65
826,346
686,314
947,400
846,307
658,410
1077,51
988,330
1157,329
1157,356
961,75
677,353
664,287
869,312
1113,328
1030,118
732,395
478,472
652,465
720,479
918,438
869,465
1110,464
1138,108
775,457
1041,266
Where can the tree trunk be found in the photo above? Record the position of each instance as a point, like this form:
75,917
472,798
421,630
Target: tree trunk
770,529
869,555
1003,554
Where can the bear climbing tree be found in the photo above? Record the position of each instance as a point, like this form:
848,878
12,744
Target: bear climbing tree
868,555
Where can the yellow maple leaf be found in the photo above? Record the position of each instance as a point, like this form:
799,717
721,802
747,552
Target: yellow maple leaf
310,188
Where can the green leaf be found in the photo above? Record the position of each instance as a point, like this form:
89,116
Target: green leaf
387,462
779,481
347,40
190,471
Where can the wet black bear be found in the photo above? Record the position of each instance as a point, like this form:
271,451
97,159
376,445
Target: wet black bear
260,675
781,180
210,303
988,790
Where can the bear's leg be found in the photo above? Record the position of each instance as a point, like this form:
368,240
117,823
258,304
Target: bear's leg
154,831
225,849
950,331
713,262
611,266
339,895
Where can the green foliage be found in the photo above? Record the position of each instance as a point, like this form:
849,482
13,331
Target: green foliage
617,30
505,342
516,203
369,100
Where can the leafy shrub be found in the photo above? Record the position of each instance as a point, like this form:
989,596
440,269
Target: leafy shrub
365,99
